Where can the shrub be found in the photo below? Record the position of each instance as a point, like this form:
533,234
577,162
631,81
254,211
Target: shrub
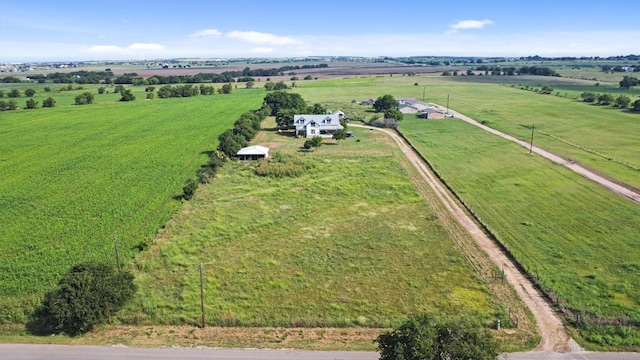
84,99
49,102
86,296
32,104
189,189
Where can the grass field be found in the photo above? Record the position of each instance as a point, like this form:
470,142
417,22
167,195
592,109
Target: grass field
578,239
343,244
600,137
75,176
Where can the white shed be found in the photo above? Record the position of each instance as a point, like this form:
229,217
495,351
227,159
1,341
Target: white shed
255,152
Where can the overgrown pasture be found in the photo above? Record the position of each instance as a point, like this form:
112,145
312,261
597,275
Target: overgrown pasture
348,242
577,240
75,177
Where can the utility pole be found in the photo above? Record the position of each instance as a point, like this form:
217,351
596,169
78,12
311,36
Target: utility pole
201,296
115,246
531,142
447,103
424,88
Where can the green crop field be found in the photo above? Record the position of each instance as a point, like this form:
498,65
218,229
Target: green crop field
577,238
73,177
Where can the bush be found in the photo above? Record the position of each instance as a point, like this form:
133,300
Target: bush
32,104
49,102
87,296
84,99
189,189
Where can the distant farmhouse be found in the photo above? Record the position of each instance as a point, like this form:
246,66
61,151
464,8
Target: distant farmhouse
422,109
318,125
413,106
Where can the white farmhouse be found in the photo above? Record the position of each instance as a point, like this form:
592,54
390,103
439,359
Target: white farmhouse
317,125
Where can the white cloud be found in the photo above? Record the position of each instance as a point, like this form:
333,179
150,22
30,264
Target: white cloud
263,38
147,47
262,50
133,49
107,49
206,33
469,24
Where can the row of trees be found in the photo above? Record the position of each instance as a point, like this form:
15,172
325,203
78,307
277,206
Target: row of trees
621,101
15,93
107,77
30,104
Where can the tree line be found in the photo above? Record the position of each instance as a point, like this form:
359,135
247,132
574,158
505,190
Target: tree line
107,77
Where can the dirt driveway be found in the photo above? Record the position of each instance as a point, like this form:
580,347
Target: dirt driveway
555,337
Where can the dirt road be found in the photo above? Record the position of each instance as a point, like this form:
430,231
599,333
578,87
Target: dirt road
618,189
555,337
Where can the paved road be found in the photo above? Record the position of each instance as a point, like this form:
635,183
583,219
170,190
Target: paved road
616,188
69,352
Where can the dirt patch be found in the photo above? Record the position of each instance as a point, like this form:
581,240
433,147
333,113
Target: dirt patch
236,337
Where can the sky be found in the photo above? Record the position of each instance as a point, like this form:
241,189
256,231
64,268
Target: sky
71,30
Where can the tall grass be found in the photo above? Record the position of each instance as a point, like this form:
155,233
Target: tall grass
348,242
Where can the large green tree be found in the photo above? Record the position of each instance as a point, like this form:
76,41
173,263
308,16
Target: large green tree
86,296
385,103
627,82
280,100
421,338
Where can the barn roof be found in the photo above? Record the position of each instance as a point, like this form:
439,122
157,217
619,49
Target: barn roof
254,150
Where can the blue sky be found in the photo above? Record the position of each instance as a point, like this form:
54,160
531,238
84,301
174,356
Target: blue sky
53,30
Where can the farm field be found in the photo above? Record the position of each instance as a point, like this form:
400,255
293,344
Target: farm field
576,238
74,177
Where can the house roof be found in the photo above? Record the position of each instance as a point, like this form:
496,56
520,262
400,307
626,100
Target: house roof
254,150
327,121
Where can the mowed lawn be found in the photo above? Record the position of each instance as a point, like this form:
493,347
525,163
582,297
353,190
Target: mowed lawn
348,242
74,177
579,239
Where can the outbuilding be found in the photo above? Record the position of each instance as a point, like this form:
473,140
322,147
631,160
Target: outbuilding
255,152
